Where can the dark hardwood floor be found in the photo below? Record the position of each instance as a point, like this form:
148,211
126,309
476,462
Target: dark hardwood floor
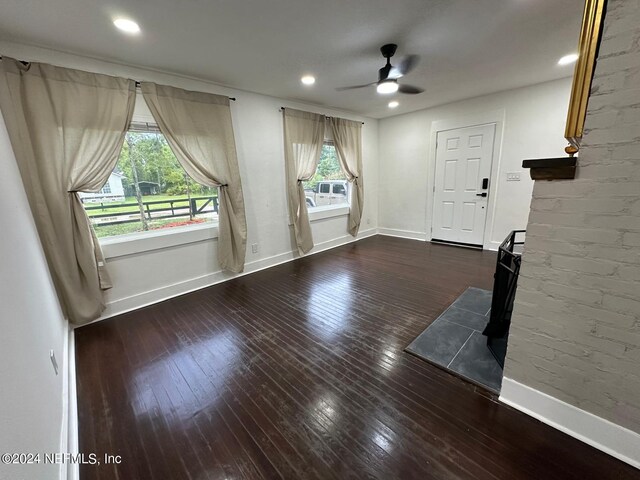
298,372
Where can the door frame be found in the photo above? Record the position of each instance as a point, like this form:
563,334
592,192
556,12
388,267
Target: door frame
496,117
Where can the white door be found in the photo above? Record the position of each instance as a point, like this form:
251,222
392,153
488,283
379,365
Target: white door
463,170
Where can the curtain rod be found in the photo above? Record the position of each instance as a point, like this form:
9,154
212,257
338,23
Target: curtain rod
233,99
24,62
326,116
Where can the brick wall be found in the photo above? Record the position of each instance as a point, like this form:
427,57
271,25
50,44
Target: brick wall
575,332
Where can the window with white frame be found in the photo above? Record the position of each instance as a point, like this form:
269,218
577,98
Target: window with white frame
328,186
148,190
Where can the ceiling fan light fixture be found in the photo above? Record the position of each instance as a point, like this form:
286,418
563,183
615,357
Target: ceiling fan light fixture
387,87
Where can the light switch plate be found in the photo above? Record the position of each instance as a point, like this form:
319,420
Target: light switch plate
513,177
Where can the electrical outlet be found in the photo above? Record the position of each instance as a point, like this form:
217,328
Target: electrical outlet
513,177
54,362
254,248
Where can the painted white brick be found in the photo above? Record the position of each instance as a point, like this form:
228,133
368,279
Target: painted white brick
619,98
592,205
622,287
631,239
629,115
614,222
624,255
586,235
606,84
556,218
626,152
622,171
621,305
621,335
581,295
630,272
576,323
617,44
621,18
596,156
583,265
602,120
607,316
608,136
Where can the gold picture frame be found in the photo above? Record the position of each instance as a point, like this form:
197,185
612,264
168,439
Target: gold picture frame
588,44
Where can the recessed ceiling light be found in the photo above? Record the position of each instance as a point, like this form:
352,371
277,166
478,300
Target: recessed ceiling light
308,79
126,25
567,59
388,86
393,104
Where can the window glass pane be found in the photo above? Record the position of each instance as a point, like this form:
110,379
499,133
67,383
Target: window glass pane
148,182
329,185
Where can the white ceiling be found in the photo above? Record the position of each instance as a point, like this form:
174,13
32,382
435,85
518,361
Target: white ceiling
467,47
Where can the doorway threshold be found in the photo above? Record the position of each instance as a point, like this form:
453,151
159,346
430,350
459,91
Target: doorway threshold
457,244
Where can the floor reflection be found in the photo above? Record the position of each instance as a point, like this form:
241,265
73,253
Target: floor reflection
162,388
333,297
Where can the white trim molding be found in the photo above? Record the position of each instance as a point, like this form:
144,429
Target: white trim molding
73,469
133,243
602,434
68,384
394,232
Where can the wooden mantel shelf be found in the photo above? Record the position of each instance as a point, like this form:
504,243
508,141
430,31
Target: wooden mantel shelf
563,168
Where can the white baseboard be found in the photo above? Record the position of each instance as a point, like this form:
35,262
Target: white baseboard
66,400
166,292
73,469
393,232
602,434
491,245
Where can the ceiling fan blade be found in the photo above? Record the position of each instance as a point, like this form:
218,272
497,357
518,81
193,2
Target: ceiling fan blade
410,89
407,64
352,87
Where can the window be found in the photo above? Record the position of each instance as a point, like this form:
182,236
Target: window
329,185
148,190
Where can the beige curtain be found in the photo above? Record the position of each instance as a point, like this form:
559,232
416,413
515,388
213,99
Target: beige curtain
66,128
199,130
303,139
347,138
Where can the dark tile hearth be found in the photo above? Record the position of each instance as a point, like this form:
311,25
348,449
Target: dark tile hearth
455,342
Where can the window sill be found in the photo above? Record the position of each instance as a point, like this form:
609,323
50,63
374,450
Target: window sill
328,211
133,243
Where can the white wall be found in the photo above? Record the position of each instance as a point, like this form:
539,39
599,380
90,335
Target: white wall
531,124
146,277
31,398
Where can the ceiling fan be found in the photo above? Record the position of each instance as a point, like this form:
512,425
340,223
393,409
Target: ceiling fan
388,75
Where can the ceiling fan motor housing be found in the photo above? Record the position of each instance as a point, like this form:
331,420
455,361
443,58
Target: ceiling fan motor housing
388,50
